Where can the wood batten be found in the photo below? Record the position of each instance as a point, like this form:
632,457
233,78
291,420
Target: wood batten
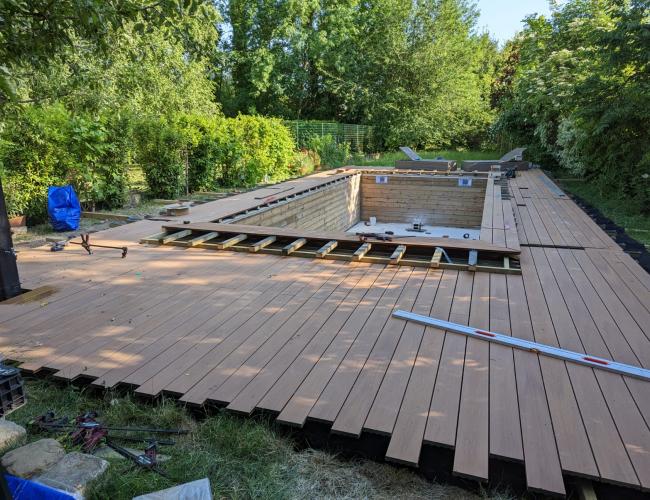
326,248
293,246
167,238
361,251
231,241
415,252
202,238
263,243
435,259
397,255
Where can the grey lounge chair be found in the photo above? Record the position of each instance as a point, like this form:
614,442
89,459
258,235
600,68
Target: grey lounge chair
511,159
416,162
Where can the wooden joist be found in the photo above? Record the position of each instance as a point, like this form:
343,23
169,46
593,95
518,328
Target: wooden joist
174,236
231,241
326,248
293,246
472,260
202,238
361,251
397,255
262,244
261,239
435,260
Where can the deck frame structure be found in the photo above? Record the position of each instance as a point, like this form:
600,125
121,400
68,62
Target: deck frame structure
313,340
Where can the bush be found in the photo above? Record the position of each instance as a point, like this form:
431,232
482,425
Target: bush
256,149
305,162
331,154
160,149
48,146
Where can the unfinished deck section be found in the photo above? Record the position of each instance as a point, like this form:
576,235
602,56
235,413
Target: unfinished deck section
312,339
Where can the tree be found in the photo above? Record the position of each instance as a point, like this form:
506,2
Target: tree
32,32
581,92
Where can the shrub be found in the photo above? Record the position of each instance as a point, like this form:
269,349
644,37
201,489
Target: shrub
331,154
160,149
256,149
305,162
48,146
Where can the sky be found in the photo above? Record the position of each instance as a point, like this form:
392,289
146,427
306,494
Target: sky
503,18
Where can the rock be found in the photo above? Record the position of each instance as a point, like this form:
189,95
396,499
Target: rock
10,433
33,458
73,472
195,490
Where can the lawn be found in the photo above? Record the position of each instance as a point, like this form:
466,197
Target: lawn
242,457
389,158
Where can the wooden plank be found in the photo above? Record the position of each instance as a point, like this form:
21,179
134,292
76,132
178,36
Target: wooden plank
542,462
353,413
406,440
505,428
573,445
437,256
338,388
262,244
397,255
202,238
326,248
443,413
266,358
286,382
361,251
198,387
385,408
174,236
420,242
472,438
231,241
608,449
293,246
298,407
260,373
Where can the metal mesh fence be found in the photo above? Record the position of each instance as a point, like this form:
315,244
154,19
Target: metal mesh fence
360,137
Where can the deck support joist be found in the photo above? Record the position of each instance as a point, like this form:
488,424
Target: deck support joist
380,252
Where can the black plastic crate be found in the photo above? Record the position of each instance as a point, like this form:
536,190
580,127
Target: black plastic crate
12,392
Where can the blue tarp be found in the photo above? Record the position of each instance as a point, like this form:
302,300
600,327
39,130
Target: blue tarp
63,208
23,489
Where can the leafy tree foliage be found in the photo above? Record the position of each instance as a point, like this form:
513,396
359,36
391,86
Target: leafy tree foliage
581,94
416,70
33,31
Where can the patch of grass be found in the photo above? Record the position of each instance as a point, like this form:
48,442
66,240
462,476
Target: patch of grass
243,458
624,212
388,159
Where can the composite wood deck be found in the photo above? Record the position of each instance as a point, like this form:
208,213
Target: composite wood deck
315,340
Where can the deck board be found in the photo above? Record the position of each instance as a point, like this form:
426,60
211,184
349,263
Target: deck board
314,339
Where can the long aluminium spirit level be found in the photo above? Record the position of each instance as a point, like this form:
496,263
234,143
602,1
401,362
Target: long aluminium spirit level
555,352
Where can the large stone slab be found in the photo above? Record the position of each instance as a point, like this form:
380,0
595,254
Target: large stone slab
10,433
195,490
33,458
73,473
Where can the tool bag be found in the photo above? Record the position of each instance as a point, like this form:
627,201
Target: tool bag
63,208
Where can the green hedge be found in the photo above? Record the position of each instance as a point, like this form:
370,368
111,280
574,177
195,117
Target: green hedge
241,151
48,145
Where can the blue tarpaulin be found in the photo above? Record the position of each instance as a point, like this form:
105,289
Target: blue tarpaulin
24,489
63,208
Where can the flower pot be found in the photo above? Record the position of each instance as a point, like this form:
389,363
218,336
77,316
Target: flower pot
18,221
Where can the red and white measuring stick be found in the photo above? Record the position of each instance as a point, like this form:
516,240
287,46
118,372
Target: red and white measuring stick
555,352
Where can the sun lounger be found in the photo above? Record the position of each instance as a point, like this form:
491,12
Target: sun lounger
416,162
512,159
